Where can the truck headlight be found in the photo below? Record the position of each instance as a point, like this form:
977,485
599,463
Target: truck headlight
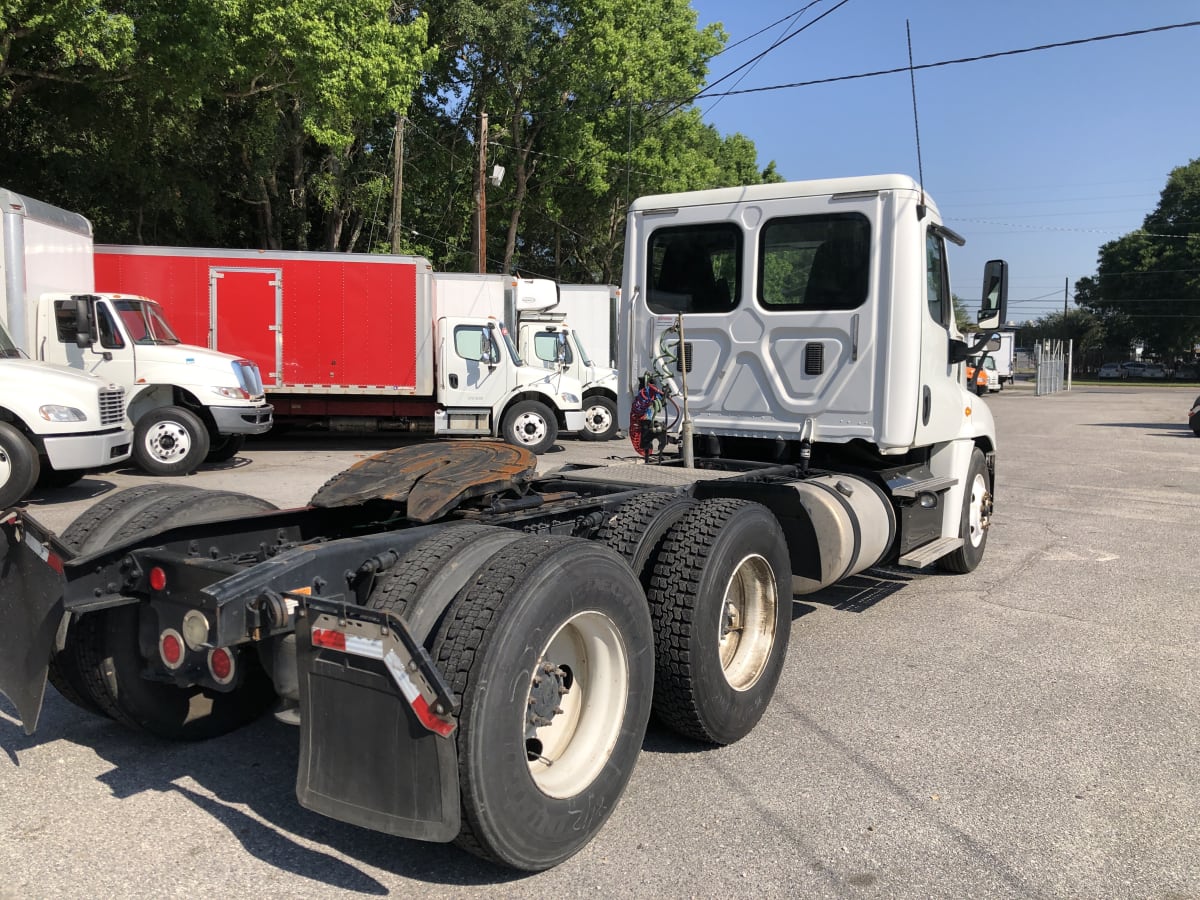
232,393
53,413
569,398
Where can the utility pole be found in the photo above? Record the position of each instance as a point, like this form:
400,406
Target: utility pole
481,198
397,182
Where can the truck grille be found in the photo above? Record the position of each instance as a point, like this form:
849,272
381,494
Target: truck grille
112,406
248,377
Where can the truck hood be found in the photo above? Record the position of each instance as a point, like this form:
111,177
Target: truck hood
49,376
185,364
549,380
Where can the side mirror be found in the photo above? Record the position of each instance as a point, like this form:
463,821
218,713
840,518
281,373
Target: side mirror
83,322
994,307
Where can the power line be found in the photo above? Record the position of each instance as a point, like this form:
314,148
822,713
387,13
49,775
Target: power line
946,62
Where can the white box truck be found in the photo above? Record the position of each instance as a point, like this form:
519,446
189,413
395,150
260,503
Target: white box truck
55,424
188,404
555,325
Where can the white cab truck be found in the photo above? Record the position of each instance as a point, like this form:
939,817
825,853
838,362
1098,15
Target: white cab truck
55,424
188,404
544,317
1003,357
471,652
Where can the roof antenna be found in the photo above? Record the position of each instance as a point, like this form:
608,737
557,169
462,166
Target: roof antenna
916,122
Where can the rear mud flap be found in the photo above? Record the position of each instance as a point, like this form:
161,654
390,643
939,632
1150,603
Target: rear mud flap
31,610
364,756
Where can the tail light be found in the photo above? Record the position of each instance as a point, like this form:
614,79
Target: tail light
222,665
171,649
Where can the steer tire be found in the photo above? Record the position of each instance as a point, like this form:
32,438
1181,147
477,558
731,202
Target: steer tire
19,466
637,528
569,611
101,665
170,440
975,521
721,602
531,425
599,419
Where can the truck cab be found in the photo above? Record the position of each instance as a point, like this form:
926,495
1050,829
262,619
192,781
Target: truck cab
485,387
188,403
811,320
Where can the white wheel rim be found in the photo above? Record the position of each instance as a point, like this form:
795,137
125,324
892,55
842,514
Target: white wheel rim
977,519
168,441
6,469
566,755
746,631
530,428
597,419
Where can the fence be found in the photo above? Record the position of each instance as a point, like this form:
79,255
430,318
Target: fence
1053,362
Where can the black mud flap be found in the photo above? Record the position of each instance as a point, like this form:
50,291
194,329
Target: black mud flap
32,586
365,756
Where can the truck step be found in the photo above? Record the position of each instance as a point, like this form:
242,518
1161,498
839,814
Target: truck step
927,553
928,486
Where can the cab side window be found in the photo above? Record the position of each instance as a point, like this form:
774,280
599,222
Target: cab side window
65,320
937,284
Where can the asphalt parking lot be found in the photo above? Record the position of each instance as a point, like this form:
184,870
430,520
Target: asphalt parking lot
1028,730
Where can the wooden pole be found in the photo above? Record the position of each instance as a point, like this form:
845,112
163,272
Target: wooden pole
481,198
397,183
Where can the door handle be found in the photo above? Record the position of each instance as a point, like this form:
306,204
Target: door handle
453,380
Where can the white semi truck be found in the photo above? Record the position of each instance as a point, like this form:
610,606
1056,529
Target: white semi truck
471,653
187,403
55,424
554,325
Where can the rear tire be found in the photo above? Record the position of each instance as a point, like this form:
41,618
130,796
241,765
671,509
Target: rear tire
599,419
637,528
975,521
19,466
435,571
101,666
721,599
547,651
531,425
170,441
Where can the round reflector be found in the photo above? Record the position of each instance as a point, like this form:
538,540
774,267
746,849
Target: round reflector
220,665
170,648
158,578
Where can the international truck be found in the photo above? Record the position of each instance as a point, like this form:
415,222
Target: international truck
471,652
55,424
353,341
188,404
550,322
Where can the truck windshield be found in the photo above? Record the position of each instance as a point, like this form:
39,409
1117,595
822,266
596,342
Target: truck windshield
512,348
145,322
583,354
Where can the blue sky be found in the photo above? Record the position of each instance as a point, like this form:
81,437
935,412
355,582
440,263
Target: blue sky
1037,158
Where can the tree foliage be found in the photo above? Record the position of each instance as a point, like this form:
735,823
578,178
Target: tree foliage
1147,285
274,123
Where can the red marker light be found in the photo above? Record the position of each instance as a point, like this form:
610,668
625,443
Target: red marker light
170,648
158,578
220,665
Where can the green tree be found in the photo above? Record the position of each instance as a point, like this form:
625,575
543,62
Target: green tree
1147,286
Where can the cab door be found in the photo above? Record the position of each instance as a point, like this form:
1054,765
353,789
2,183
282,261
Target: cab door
473,363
